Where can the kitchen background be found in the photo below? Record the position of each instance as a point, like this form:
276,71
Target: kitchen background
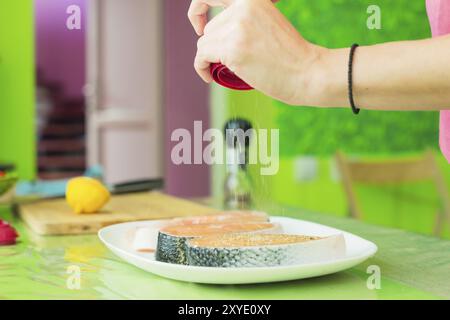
111,93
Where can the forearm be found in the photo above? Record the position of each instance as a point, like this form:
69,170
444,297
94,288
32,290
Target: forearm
410,75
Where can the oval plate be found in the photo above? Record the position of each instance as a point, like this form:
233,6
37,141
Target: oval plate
118,239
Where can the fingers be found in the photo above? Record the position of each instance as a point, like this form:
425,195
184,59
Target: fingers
198,12
217,26
202,67
210,45
207,53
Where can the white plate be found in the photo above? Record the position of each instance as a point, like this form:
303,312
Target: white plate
118,239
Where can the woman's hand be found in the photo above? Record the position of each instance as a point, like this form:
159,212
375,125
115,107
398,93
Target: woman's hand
254,40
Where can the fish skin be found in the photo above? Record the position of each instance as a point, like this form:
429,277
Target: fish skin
267,256
241,257
171,249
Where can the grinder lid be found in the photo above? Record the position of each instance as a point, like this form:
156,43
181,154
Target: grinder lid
225,77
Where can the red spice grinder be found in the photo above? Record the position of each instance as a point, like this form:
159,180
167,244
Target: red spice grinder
227,78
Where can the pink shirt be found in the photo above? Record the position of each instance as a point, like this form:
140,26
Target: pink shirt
439,14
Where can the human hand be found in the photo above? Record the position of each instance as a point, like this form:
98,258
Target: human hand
255,41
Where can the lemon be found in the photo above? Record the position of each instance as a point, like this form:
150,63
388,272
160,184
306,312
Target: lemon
86,195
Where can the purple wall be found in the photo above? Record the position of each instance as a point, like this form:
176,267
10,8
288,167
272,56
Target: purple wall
60,52
186,99
61,57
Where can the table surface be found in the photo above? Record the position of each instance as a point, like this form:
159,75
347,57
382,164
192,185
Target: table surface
412,266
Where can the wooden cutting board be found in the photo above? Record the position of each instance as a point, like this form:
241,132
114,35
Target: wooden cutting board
55,217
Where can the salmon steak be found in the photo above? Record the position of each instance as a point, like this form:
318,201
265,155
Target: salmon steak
224,217
143,241
262,250
172,239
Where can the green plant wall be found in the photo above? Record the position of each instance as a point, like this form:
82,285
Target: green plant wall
321,132
340,23
17,135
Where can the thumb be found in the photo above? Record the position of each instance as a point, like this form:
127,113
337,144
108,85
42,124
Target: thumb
198,12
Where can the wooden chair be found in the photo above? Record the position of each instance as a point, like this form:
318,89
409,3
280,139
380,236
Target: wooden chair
395,171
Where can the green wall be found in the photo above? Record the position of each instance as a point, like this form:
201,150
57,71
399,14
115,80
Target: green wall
17,133
321,132
339,23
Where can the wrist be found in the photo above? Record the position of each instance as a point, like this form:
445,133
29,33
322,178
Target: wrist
323,81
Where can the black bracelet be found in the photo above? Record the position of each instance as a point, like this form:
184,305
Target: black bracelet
350,79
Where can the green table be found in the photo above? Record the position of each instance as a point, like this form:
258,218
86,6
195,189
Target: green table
412,267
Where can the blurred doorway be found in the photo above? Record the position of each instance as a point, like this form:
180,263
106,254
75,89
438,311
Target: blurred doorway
125,88
100,89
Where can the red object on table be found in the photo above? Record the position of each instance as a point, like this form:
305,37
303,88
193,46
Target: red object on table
225,77
8,234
